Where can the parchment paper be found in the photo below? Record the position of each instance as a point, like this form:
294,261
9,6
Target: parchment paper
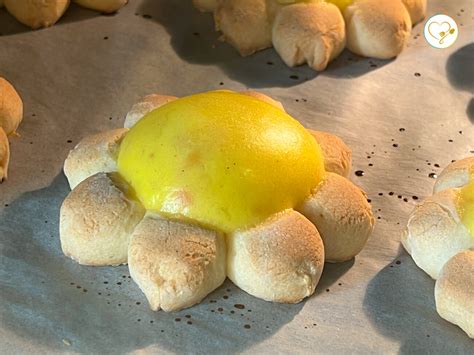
407,117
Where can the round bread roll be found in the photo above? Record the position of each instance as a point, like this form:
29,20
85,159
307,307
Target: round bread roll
4,155
94,154
265,98
205,5
416,9
105,6
174,263
245,24
309,32
377,28
97,219
342,215
11,107
279,260
454,291
435,232
144,106
457,174
37,13
337,155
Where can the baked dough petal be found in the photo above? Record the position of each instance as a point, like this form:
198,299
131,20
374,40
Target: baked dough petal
340,211
37,13
174,263
144,106
454,291
94,154
457,174
279,260
105,6
97,219
312,33
435,233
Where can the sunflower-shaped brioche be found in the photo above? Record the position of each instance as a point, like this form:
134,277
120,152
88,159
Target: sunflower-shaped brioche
178,252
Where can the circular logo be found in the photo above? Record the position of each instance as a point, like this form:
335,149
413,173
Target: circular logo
441,31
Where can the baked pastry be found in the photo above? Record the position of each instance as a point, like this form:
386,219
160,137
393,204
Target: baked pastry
37,13
11,115
220,189
440,239
312,33
93,234
457,174
145,105
454,291
93,154
4,155
105,6
11,107
435,232
45,13
316,32
416,9
377,28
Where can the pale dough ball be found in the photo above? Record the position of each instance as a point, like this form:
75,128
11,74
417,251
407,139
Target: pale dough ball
97,219
205,5
435,232
337,155
4,155
144,106
174,263
94,154
457,174
377,28
312,33
245,24
105,6
265,98
37,13
279,260
344,218
416,9
11,107
454,291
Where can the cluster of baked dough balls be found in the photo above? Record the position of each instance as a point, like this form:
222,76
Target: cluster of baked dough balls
443,247
45,13
177,263
317,31
11,115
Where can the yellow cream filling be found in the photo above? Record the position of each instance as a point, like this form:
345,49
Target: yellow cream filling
465,206
222,159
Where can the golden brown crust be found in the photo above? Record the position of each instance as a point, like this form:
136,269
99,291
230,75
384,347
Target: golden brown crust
37,13
144,106
175,264
97,219
454,291
309,32
245,24
435,233
457,174
279,260
337,155
344,218
416,9
377,28
11,107
94,154
4,155
105,6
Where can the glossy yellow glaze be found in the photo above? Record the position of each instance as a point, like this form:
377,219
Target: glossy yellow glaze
465,206
222,159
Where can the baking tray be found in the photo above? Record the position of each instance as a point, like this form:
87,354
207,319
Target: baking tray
404,119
